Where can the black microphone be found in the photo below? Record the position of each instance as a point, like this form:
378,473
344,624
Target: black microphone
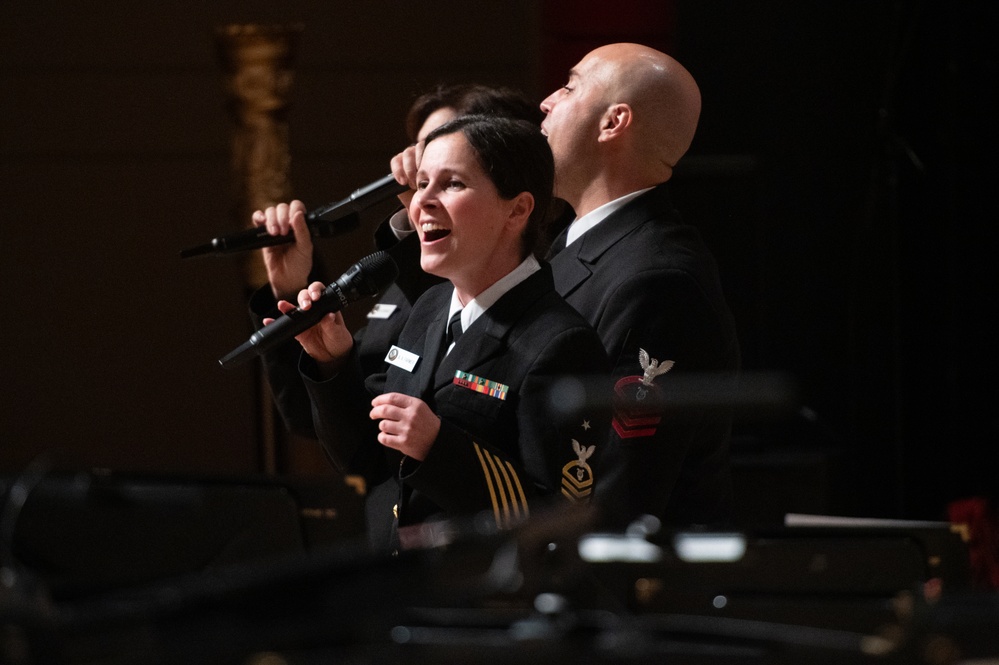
365,278
324,222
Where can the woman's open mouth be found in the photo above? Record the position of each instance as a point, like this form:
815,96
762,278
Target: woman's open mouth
434,232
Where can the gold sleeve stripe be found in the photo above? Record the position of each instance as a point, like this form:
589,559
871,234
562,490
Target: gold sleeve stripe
523,512
501,486
505,490
502,468
489,482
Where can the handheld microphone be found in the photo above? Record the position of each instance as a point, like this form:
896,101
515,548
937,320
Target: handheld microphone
324,222
365,278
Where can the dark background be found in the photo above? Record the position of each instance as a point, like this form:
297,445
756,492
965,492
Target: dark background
842,173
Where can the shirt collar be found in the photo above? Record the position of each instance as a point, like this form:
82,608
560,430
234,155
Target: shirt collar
583,224
480,303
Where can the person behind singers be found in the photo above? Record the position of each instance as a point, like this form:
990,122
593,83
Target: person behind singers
466,426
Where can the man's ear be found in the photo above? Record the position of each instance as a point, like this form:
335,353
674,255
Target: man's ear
615,121
521,209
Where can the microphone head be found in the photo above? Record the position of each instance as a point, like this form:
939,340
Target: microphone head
369,275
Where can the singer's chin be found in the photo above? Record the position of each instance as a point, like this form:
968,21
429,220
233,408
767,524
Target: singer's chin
433,263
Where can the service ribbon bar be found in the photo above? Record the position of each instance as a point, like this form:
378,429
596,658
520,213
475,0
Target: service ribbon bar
480,385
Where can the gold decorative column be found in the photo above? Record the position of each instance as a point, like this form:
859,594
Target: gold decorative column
257,63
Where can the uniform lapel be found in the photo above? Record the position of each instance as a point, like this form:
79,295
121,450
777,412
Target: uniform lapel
478,344
558,244
486,337
433,349
574,264
569,270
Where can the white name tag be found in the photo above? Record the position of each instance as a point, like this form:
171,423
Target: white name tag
382,311
401,358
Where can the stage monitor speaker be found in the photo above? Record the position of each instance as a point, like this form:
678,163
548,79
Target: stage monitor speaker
86,533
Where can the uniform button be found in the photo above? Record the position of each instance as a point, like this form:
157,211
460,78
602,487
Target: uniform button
395,511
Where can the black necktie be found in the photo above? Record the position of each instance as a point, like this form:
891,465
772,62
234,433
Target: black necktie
453,330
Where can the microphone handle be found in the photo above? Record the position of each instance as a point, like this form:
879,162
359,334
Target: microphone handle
325,221
258,237
285,327
361,198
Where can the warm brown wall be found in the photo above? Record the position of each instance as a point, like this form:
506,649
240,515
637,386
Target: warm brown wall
114,156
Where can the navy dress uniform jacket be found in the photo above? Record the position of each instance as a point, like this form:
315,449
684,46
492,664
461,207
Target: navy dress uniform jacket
379,334
646,281
372,341
503,453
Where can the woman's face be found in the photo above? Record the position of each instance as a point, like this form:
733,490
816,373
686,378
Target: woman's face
468,233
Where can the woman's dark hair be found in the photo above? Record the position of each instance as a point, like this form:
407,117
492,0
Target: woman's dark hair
471,99
516,157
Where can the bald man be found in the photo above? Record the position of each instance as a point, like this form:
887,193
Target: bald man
643,279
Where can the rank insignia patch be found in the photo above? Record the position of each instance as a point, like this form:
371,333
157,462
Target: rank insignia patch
634,414
577,476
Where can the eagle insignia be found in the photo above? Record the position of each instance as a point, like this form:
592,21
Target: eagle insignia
652,367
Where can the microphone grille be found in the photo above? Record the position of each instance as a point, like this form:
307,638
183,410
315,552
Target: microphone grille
379,269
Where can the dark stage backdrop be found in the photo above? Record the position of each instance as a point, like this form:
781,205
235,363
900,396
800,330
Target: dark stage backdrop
855,231
842,173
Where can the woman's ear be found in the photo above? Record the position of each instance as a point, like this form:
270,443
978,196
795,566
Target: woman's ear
521,208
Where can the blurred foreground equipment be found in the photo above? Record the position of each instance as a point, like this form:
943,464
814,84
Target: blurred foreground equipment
552,590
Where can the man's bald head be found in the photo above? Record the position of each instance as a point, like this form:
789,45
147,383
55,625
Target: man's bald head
621,123
663,95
